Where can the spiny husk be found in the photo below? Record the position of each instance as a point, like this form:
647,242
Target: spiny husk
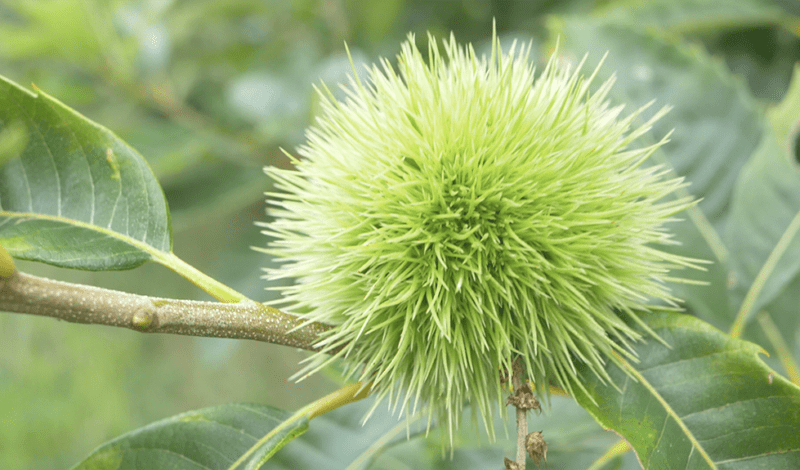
457,213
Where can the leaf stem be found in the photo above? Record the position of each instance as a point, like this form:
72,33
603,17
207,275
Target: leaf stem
7,268
202,280
621,447
345,395
380,444
763,275
76,303
781,348
290,421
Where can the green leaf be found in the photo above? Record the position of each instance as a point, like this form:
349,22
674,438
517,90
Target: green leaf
763,229
13,139
77,196
785,117
765,219
717,126
211,438
708,401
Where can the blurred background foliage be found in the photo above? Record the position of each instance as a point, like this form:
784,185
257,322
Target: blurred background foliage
209,92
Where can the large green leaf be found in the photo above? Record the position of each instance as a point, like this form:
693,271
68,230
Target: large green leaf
765,217
763,229
77,196
717,125
708,401
211,438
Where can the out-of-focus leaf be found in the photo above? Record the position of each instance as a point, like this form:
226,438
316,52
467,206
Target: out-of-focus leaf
378,18
692,15
170,148
766,207
784,312
54,28
211,438
785,117
764,56
707,401
716,125
77,196
763,229
213,190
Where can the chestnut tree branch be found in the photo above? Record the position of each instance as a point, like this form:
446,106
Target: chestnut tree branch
76,303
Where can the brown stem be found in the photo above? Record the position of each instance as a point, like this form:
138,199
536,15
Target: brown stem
76,303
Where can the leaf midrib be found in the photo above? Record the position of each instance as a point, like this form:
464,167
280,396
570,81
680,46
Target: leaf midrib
668,409
141,245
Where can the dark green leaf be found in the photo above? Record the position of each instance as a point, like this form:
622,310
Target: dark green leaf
708,401
211,438
77,196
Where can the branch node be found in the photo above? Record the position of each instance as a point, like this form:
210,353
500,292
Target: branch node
144,319
523,398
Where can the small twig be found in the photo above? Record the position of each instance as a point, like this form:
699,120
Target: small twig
76,303
518,379
524,400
